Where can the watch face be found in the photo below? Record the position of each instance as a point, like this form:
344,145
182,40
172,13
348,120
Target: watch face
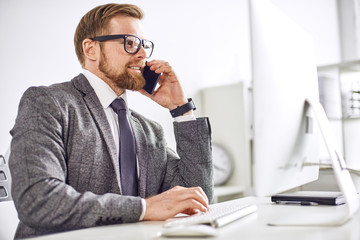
223,164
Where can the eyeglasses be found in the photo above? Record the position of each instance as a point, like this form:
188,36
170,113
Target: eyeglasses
132,44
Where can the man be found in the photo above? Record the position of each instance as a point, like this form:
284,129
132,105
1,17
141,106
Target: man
69,166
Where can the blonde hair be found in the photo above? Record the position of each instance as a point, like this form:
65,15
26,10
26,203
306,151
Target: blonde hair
95,23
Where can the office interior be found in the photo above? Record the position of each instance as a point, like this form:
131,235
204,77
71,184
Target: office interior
208,44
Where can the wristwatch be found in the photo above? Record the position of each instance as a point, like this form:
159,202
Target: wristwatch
183,109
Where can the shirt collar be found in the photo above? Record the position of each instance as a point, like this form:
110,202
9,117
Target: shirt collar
103,91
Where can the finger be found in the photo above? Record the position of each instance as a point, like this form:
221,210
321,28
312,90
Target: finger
203,194
192,206
160,66
161,79
164,68
191,211
155,64
193,198
189,206
198,194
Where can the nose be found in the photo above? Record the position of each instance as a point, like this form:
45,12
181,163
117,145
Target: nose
141,53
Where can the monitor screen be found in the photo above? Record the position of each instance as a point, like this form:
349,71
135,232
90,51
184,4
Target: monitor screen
285,133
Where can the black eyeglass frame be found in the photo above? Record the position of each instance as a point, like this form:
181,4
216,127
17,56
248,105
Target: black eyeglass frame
124,36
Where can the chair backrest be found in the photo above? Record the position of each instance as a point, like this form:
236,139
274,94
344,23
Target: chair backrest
5,180
8,214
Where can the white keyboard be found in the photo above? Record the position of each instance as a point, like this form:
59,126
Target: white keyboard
219,214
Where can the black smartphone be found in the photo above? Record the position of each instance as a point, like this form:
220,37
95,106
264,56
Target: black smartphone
151,79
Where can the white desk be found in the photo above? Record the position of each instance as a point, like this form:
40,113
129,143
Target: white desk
251,227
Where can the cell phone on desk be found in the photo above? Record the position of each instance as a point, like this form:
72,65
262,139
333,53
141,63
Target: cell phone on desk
151,79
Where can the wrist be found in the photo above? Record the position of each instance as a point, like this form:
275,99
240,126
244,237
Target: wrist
185,109
178,104
148,215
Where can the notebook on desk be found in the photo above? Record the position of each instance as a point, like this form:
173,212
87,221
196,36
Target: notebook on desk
309,198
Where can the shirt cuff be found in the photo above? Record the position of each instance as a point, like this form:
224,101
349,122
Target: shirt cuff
185,118
143,204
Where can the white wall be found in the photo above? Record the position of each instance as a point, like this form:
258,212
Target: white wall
320,19
206,42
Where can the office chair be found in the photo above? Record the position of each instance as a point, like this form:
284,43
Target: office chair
8,214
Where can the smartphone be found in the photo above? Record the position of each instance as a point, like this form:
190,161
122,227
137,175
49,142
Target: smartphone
151,79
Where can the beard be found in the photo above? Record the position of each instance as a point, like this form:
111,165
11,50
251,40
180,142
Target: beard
121,78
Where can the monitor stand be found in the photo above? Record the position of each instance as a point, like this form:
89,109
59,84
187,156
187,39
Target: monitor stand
309,216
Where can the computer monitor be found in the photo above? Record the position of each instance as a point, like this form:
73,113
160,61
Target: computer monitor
284,75
289,123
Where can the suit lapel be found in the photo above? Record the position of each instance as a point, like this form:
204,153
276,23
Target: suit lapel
141,152
94,106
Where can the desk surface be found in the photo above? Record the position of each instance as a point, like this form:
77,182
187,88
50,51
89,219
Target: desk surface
251,227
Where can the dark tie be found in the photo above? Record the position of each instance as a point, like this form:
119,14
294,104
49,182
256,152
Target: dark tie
127,152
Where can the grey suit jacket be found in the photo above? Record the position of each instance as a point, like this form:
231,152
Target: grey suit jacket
65,173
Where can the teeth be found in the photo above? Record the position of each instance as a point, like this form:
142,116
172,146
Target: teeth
135,68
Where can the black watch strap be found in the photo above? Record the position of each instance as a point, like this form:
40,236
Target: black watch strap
183,109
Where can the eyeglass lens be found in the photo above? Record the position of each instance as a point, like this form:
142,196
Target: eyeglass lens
133,44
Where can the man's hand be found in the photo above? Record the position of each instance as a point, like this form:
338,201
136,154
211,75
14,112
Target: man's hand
170,93
174,201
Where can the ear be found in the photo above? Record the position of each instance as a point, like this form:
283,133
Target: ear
90,49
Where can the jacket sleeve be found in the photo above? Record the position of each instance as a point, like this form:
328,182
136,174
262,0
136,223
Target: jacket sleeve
38,167
192,165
